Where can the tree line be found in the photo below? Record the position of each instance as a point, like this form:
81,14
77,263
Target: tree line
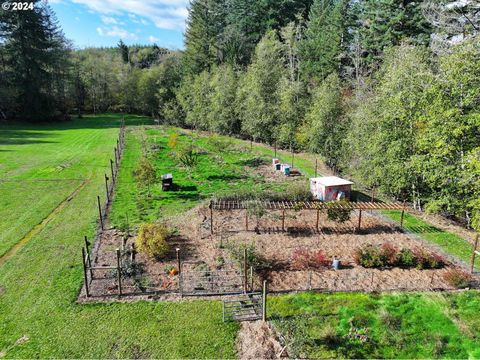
387,91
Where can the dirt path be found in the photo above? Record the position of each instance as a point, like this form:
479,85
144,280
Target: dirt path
256,340
39,227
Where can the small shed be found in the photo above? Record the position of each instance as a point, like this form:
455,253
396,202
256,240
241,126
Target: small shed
330,188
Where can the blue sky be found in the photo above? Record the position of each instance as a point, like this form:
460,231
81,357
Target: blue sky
105,22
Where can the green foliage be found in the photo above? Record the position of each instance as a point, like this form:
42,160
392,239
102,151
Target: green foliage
325,127
259,89
152,240
324,39
336,214
145,172
188,157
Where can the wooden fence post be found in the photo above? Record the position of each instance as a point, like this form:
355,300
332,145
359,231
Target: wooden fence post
251,278
474,253
113,173
106,188
119,273
283,219
264,301
85,273
316,167
88,256
211,217
100,212
179,264
246,219
245,278
116,159
318,219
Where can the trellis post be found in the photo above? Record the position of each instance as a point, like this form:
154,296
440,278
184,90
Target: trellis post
359,220
87,292
100,212
106,187
251,278
264,301
119,274
246,219
474,253
283,219
318,218
316,167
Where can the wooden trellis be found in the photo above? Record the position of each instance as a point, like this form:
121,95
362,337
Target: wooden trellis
231,205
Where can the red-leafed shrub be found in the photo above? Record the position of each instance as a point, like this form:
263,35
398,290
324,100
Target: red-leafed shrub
426,260
458,278
303,259
389,253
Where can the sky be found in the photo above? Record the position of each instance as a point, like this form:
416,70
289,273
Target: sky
90,23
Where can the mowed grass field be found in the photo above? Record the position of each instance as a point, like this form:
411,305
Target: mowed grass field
39,284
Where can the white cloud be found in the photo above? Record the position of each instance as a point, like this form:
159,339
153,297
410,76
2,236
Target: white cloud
166,14
153,39
117,32
108,20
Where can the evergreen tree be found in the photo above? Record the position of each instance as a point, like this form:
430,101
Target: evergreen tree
385,23
124,52
324,42
34,51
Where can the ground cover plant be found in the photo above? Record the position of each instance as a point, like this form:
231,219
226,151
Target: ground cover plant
378,326
39,284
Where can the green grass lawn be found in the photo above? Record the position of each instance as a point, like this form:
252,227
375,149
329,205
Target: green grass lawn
220,170
39,285
378,326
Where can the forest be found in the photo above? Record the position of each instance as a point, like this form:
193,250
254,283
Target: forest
384,91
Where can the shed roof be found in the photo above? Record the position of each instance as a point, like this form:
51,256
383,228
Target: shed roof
331,181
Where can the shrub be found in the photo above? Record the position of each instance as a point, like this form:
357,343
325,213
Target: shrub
188,157
254,259
131,269
370,256
172,140
338,215
458,278
425,260
146,173
302,259
390,253
406,258
152,240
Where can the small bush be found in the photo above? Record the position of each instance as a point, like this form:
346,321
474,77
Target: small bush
131,269
302,259
406,258
457,278
338,215
254,259
425,260
152,240
390,254
370,256
188,157
145,172
172,140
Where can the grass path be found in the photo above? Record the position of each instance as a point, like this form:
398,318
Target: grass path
39,285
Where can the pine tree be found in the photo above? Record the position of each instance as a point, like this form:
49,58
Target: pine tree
385,23
124,51
324,40
35,57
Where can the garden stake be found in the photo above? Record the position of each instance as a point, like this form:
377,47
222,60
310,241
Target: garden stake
246,220
88,257
318,218
251,278
283,219
177,251
211,217
359,220
245,280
